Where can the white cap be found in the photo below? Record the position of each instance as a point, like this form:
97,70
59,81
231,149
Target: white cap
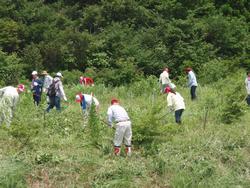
59,74
34,73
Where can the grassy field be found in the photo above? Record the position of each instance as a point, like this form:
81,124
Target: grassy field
61,150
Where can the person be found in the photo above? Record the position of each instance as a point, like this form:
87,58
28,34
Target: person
192,82
9,97
55,100
164,79
47,81
86,100
86,81
123,131
175,103
247,83
36,88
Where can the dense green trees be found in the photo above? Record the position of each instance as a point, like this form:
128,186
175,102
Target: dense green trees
112,36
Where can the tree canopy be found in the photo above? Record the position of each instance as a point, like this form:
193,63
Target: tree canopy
122,40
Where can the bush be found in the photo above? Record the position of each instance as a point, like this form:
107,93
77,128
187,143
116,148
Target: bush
10,68
216,69
71,77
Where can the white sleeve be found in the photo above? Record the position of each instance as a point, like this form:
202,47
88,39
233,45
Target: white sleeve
96,101
110,116
62,91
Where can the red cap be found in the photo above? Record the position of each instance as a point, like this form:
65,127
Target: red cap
114,100
79,97
21,87
167,90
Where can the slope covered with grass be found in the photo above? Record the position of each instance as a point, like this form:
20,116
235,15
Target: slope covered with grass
58,150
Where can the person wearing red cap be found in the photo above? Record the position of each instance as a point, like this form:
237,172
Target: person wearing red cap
175,103
123,131
247,83
86,101
9,97
192,82
86,81
164,79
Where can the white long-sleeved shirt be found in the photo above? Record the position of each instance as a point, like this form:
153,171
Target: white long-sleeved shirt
89,99
175,101
247,82
164,78
47,81
117,113
192,79
10,93
59,88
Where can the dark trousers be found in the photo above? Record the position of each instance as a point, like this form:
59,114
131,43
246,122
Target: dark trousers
192,92
54,101
178,114
37,99
248,99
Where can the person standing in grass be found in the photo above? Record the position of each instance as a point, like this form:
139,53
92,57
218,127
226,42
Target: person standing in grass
164,79
9,97
123,131
55,98
175,103
192,82
47,81
36,88
247,83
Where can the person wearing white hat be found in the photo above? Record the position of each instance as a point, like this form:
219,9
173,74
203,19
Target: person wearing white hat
59,93
36,88
9,97
47,81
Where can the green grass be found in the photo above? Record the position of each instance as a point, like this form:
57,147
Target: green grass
58,151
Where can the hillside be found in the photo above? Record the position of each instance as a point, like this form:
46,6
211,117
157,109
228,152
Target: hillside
123,46
61,150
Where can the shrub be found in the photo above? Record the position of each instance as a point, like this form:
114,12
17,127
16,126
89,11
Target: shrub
10,68
71,77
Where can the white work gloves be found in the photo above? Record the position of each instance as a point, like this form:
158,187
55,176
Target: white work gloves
65,99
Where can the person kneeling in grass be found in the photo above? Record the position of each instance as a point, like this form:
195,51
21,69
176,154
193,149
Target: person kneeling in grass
175,103
9,97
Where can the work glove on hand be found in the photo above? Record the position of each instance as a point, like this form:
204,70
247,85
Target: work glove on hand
65,99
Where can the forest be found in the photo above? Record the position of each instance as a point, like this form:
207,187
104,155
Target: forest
121,41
